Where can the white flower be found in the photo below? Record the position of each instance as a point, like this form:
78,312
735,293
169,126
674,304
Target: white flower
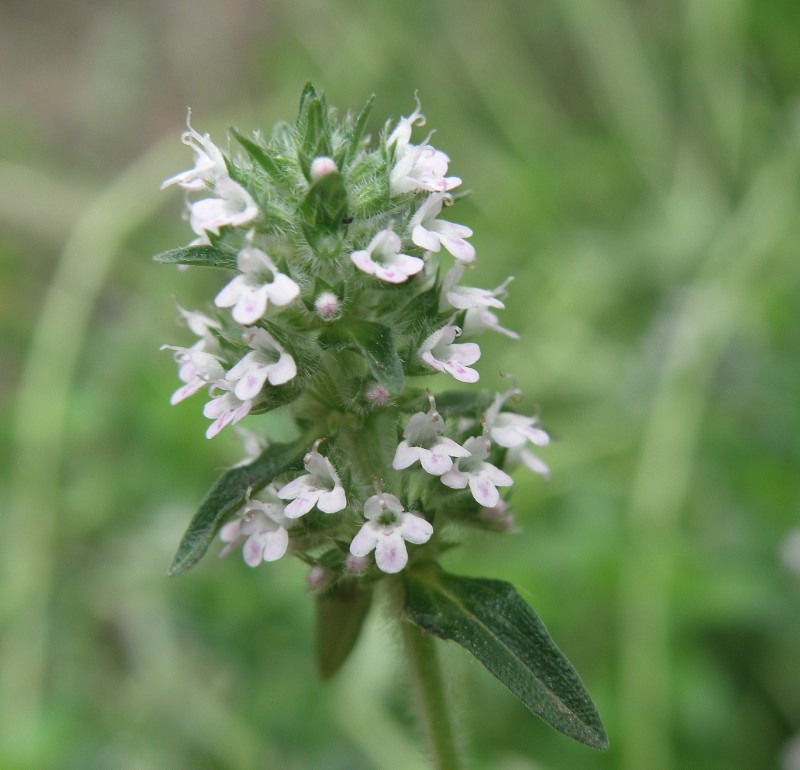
225,408
478,320
382,258
259,284
196,368
468,297
417,167
267,362
209,164
439,352
319,487
514,431
234,206
482,477
387,526
262,526
423,441
201,325
253,445
430,233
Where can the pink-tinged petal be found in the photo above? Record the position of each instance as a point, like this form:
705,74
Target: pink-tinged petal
507,436
451,447
537,436
496,476
464,353
283,370
406,264
390,274
251,306
217,426
425,239
455,479
230,293
415,529
187,390
253,550
363,261
301,505
251,384
333,501
462,373
405,456
390,553
230,531
429,359
435,463
241,411
282,290
365,540
534,463
275,544
459,248
483,491
296,487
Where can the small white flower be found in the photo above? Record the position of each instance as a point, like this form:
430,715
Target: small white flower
420,167
253,445
267,362
209,164
225,408
319,487
478,320
262,526
327,305
382,258
423,441
196,368
234,206
401,135
439,352
430,233
201,325
468,297
387,526
482,477
259,284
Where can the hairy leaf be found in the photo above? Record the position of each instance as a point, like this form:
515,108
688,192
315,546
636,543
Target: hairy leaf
341,611
491,620
227,495
199,256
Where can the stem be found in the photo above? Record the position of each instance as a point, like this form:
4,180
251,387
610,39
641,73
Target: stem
432,705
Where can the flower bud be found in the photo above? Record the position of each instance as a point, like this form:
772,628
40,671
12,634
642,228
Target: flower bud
327,305
322,166
317,577
376,394
356,564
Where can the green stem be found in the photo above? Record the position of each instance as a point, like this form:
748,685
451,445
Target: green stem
432,705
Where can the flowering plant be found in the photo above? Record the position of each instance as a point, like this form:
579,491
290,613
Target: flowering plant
345,292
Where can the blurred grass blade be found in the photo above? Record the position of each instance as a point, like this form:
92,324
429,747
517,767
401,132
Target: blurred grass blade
228,494
491,620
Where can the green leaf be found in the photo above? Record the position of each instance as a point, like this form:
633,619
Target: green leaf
375,343
324,208
356,135
341,611
491,620
227,495
264,158
199,256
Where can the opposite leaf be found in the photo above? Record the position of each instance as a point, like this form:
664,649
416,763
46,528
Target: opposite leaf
228,494
491,620
341,611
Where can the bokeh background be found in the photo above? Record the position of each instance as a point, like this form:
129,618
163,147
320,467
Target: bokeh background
635,167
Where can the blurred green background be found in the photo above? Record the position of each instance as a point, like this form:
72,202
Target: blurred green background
634,165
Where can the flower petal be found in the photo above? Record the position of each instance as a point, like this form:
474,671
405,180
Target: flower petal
365,540
483,490
415,529
390,552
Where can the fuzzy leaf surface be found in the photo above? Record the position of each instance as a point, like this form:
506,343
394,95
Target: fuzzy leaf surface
198,256
228,494
491,620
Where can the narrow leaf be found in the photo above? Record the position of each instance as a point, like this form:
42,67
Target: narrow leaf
341,612
199,256
491,620
228,494
375,343
357,134
264,159
324,208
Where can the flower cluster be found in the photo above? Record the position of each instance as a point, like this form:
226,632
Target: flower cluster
344,293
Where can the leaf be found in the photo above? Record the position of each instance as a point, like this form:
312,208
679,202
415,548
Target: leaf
263,158
199,256
324,207
491,620
341,611
356,134
375,343
228,494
